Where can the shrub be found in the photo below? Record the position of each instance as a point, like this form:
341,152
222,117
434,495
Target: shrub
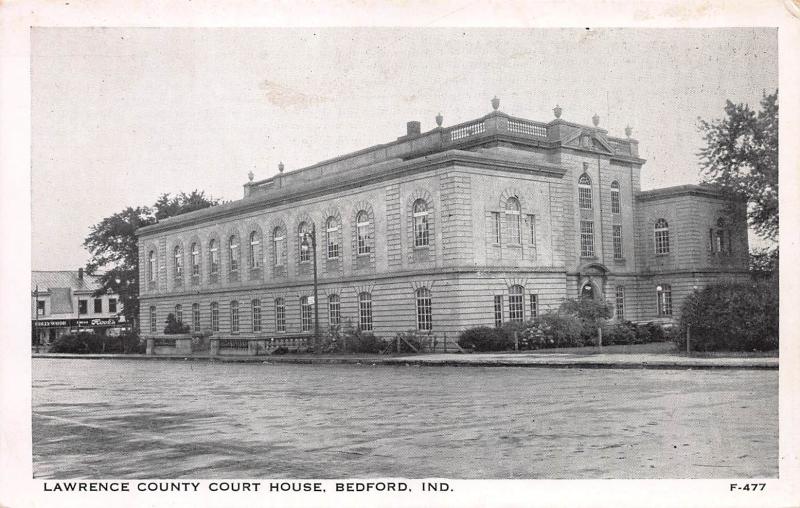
359,341
174,326
280,350
619,332
92,343
559,330
590,314
732,317
484,338
414,337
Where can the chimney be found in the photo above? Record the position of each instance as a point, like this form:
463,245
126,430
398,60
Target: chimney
80,274
413,129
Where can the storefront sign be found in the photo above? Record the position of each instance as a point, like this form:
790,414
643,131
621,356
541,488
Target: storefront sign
78,323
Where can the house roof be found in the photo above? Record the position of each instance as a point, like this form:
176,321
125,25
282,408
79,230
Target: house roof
47,280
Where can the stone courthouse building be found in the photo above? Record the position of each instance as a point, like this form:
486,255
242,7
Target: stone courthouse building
491,220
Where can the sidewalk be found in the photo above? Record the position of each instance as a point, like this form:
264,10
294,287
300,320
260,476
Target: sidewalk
523,359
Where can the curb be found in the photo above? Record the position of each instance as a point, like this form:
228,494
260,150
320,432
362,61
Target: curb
408,362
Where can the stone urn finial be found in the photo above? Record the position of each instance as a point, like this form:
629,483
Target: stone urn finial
557,111
439,119
280,166
251,175
628,131
596,119
495,103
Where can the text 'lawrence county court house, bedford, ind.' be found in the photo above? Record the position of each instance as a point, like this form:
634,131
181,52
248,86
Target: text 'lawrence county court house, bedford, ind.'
491,220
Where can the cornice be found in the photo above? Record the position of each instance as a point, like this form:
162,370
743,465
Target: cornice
336,183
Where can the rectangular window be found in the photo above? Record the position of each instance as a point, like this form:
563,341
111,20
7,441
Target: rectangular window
98,305
498,310
711,240
280,315
256,306
496,227
585,198
365,311
534,307
195,317
614,201
40,307
306,322
153,320
617,238
424,309
179,313
516,306
532,228
334,310
587,238
234,317
619,299
83,307
214,317
664,295
112,305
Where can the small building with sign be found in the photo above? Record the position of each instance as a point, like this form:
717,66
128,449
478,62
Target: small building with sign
63,301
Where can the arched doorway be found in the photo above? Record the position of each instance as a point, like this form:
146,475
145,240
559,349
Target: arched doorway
587,291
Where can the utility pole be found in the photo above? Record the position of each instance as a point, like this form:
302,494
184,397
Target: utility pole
316,285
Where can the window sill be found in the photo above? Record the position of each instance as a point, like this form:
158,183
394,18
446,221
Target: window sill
619,260
422,247
589,258
662,255
363,255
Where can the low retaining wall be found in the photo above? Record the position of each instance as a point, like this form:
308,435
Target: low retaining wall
182,344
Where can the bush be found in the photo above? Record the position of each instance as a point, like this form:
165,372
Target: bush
358,341
559,330
619,332
732,317
484,338
174,326
91,343
413,337
280,350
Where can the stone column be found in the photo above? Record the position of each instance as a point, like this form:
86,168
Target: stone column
150,345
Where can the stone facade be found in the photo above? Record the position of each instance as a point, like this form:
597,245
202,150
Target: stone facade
483,217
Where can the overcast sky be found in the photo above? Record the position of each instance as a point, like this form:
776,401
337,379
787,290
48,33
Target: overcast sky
123,115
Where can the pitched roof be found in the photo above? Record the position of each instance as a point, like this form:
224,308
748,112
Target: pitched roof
63,279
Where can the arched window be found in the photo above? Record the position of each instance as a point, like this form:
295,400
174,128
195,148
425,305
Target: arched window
615,197
661,234
664,299
255,250
179,313
233,252
334,310
213,250
513,221
234,317
365,311
332,237
151,266
214,317
178,263
362,232
424,309
302,230
420,215
585,192
280,315
516,303
279,244
306,322
195,260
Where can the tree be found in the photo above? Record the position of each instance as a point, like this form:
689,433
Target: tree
114,249
741,157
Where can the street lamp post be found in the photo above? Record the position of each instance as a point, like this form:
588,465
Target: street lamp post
316,286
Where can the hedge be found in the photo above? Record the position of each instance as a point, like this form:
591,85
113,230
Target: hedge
732,317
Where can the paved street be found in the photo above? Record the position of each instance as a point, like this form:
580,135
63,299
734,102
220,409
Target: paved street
198,419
